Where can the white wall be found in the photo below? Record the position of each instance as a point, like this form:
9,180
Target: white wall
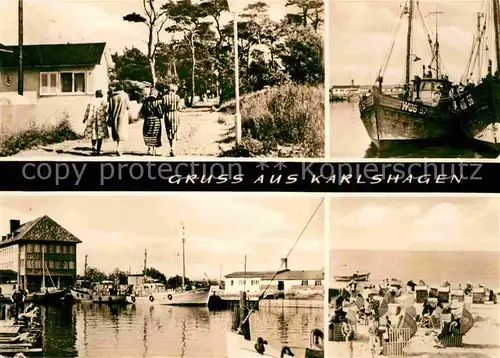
9,258
236,285
292,284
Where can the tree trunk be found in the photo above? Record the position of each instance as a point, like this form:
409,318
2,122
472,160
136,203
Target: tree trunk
151,54
193,69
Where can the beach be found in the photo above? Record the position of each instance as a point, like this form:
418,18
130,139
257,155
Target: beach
483,340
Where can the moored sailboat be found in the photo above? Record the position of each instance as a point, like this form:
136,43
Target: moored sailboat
185,296
421,112
478,107
47,294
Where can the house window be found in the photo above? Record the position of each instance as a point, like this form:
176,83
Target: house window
29,264
48,82
38,264
72,265
51,264
73,82
317,283
30,248
232,283
65,265
305,283
58,264
37,248
58,249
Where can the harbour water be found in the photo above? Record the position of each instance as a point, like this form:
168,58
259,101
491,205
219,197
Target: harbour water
348,139
90,330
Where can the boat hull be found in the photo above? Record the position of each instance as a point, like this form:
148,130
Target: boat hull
157,298
389,120
479,113
82,296
238,347
198,297
46,297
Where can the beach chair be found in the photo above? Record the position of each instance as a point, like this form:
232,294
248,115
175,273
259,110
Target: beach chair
421,293
395,341
454,338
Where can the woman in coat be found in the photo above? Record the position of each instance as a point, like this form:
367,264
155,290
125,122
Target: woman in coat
96,117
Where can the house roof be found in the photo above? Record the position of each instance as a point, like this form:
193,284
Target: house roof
285,274
42,229
56,55
301,275
253,274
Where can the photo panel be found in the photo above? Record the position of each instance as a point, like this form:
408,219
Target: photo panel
413,79
191,275
158,79
414,276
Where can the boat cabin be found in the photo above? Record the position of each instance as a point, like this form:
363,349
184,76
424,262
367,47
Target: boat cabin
429,91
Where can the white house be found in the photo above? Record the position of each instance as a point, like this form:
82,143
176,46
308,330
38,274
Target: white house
58,78
284,280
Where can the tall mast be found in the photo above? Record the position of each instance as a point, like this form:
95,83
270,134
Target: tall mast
408,43
145,261
43,267
183,256
479,38
496,20
85,268
436,46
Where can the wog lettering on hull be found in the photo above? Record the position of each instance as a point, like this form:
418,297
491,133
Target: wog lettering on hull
411,107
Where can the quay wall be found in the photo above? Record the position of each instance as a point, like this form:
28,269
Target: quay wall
291,303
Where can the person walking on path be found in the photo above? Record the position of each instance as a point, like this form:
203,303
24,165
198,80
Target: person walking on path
152,113
119,117
172,103
17,298
95,118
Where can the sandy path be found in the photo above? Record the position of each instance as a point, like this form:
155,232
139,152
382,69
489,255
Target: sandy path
201,133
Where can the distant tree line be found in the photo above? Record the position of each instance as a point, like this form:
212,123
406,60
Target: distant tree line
199,56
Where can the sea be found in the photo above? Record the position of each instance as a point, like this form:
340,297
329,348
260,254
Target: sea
348,139
143,330
433,267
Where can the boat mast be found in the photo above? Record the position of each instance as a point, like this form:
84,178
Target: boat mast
436,45
145,261
496,20
408,43
183,256
85,269
43,267
479,38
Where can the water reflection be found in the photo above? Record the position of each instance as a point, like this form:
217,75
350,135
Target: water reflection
348,139
147,331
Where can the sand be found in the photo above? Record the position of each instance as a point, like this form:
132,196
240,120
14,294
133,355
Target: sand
482,341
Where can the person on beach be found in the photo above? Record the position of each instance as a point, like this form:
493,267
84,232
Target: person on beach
18,297
172,104
119,116
152,113
95,118
348,332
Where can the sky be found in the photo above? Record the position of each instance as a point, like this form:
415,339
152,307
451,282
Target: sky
425,223
60,21
220,230
361,35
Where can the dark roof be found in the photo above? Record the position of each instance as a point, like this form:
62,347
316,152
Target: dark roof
301,275
253,274
57,55
42,229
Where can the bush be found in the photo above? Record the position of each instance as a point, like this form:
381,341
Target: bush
49,134
288,115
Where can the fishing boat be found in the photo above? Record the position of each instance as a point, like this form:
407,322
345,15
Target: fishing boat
107,292
423,111
478,106
238,340
47,294
187,296
355,277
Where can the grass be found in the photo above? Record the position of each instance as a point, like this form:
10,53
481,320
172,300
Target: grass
49,134
284,121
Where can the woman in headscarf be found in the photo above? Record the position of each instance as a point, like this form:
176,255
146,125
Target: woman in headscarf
172,103
152,113
96,118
